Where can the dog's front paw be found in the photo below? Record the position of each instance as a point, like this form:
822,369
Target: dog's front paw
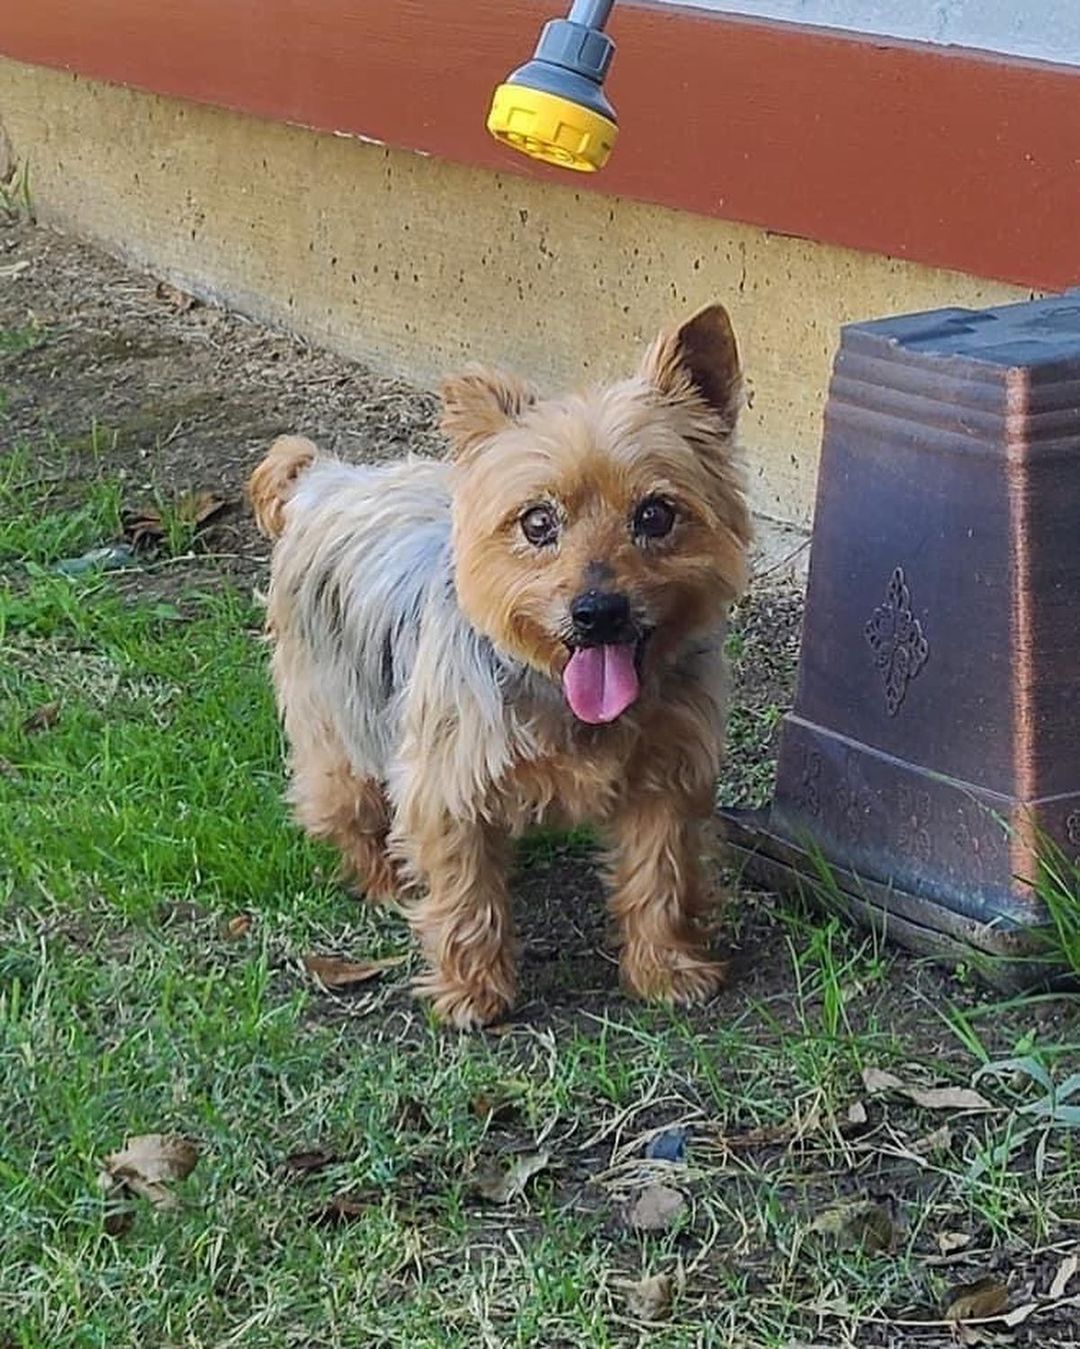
671,974
465,1006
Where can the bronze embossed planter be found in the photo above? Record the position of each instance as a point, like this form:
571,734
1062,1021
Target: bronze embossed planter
933,752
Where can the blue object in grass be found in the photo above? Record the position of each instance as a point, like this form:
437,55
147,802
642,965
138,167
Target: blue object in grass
670,1146
112,557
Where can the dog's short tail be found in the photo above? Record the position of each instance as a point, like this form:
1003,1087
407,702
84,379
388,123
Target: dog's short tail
272,483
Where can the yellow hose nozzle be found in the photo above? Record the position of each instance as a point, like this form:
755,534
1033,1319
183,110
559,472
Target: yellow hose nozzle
552,129
554,108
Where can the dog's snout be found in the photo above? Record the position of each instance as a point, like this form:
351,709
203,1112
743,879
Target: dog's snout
600,616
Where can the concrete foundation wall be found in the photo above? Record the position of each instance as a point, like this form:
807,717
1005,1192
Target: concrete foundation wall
415,265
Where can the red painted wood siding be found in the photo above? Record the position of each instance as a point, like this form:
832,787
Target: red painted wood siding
945,156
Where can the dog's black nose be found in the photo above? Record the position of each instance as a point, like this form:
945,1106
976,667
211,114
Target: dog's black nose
600,616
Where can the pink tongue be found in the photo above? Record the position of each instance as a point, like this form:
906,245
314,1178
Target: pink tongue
600,682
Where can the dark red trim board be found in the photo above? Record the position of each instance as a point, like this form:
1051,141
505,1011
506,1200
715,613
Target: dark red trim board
941,155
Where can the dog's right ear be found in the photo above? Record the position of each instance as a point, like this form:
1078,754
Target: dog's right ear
701,358
478,404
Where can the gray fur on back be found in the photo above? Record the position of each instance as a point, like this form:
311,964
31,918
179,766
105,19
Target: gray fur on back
366,554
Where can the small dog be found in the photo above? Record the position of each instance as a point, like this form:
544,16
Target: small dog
532,630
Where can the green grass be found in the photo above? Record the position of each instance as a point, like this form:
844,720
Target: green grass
20,339
1058,886
146,815
41,524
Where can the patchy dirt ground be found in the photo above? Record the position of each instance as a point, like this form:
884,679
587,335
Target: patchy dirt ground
178,397
175,396
172,397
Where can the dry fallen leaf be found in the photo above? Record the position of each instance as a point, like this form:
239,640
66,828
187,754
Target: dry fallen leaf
950,1242
862,1225
43,718
196,508
341,1209
1019,1315
146,524
656,1208
930,1098
176,298
333,973
1066,1272
977,1301
650,1298
948,1098
768,1135
856,1113
876,1080
238,927
155,1157
933,1144
969,1336
146,1164
304,1163
500,1184
495,1110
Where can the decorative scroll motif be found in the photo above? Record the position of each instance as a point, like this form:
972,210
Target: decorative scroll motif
968,842
913,825
1072,833
978,835
853,801
808,792
896,638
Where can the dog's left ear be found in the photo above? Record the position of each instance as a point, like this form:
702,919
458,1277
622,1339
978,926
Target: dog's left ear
699,357
478,404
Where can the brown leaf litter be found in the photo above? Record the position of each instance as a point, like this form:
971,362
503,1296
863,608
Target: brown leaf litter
500,1182
859,1225
176,298
146,1166
339,1210
978,1301
649,1298
878,1082
335,974
147,524
655,1209
306,1163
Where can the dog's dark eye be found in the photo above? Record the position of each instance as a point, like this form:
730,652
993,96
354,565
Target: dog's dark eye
654,518
540,525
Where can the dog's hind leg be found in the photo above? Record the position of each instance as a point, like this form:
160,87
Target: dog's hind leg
351,812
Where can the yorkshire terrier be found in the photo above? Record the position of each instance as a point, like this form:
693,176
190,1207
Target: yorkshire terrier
531,630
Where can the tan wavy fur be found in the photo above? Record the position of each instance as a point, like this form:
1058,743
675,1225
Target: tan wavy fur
421,641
